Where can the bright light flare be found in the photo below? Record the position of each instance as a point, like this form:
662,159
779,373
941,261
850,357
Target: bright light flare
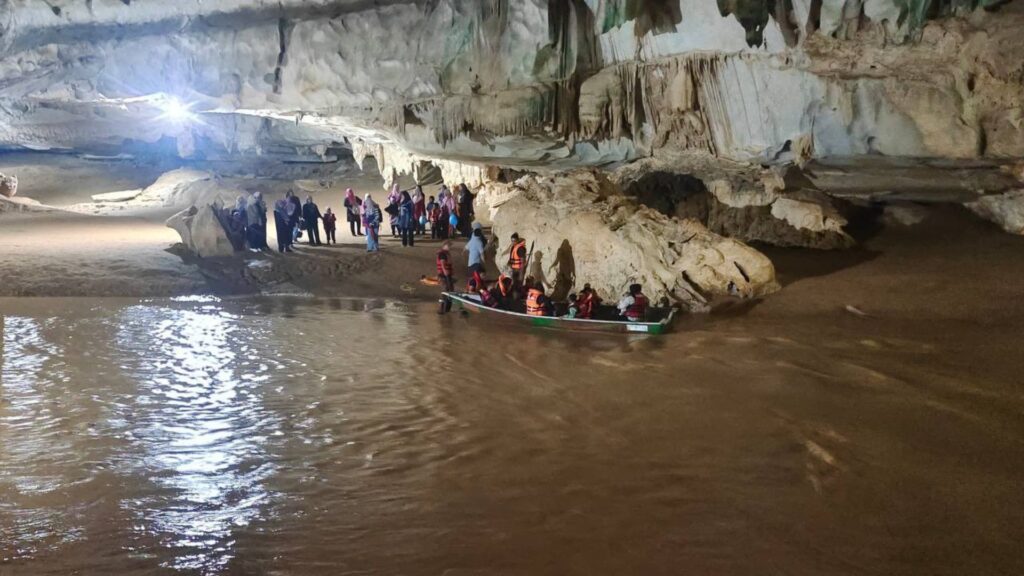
176,111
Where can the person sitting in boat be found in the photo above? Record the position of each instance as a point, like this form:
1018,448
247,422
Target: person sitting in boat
502,292
633,306
486,297
573,311
537,303
588,302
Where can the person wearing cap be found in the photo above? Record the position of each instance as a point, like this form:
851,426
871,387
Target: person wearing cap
475,247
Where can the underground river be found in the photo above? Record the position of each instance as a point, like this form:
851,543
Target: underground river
326,436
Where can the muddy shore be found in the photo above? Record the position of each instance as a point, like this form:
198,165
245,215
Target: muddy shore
951,265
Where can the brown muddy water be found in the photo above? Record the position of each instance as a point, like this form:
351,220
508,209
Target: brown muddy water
289,436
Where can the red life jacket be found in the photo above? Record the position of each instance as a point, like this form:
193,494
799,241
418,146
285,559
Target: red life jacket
586,306
534,307
515,261
444,263
638,309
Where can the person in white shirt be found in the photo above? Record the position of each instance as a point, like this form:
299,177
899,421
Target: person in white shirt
633,306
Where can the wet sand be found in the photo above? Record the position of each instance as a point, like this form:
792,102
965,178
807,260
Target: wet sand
129,251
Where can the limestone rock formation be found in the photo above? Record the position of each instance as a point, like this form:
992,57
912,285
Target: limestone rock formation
21,204
185,187
201,231
904,213
8,185
520,83
741,202
1006,210
583,229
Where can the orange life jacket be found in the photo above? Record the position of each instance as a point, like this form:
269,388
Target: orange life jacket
444,265
515,261
534,307
504,284
638,309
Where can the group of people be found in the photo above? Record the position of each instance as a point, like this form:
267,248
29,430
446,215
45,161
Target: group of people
518,292
408,213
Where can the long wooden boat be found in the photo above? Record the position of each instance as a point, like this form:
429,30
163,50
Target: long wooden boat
659,320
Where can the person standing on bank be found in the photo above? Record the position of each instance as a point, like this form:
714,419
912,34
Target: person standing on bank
311,214
282,223
420,211
433,216
406,219
256,219
465,210
371,219
394,200
352,212
294,216
330,225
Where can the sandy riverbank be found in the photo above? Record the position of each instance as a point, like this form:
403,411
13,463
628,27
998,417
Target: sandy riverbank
125,251
952,265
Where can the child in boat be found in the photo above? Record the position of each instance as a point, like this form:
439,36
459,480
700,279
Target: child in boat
573,310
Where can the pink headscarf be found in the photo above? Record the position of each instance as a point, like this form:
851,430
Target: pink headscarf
395,197
350,195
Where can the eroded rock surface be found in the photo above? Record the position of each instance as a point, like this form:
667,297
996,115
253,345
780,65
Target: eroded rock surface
201,231
584,230
1006,210
8,185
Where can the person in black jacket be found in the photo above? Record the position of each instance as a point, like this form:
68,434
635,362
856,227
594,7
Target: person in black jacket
311,215
283,224
294,216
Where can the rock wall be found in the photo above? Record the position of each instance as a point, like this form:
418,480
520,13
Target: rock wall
583,229
539,83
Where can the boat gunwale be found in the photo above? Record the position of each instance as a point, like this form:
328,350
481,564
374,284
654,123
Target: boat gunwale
458,296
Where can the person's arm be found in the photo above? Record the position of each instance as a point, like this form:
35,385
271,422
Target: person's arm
624,304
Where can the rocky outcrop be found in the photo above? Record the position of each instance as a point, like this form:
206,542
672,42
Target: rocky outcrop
8,185
741,202
201,231
1006,210
583,229
186,187
21,204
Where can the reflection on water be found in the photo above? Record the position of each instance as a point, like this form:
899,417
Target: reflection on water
199,427
340,436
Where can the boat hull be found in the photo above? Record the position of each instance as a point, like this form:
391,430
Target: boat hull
469,304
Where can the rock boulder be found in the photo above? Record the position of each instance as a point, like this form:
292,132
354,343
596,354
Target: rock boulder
8,185
201,231
1006,210
584,230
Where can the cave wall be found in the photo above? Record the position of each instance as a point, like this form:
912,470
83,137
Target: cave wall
521,83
